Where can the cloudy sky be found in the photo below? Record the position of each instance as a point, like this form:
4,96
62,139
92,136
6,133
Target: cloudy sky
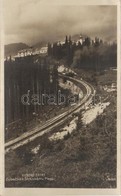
31,21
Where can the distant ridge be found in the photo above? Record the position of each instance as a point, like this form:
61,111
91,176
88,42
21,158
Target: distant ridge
12,49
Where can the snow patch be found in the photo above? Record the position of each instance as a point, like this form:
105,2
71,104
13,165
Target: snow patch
61,69
92,113
36,149
67,129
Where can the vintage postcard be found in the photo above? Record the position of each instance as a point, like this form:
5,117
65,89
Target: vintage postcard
60,97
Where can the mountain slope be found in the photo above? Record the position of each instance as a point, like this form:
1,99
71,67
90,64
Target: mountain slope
12,49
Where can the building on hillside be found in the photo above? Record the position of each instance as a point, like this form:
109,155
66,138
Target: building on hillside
80,40
44,50
25,52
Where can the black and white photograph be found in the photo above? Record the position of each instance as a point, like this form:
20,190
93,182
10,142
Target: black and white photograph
60,95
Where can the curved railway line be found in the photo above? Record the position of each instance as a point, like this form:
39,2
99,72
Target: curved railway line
54,122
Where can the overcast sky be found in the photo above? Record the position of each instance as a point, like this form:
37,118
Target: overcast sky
30,21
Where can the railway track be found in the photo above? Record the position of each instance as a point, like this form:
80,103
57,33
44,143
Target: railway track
54,122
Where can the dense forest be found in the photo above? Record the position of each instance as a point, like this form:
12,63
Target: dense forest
90,54
33,75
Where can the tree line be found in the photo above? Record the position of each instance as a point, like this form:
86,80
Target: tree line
90,54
